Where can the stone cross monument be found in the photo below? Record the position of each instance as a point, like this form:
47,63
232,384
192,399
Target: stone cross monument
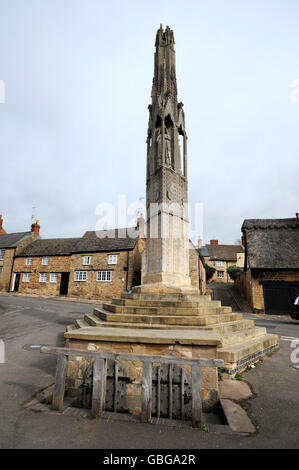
166,257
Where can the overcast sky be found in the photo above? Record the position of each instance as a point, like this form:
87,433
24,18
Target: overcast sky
78,76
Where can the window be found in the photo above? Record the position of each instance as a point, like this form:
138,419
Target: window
220,274
86,259
43,277
2,251
219,263
53,277
45,260
80,276
104,276
28,261
0,270
112,259
26,277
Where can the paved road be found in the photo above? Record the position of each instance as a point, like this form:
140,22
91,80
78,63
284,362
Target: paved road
222,292
275,409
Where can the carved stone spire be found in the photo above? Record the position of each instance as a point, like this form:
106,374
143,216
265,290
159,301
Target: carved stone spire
167,256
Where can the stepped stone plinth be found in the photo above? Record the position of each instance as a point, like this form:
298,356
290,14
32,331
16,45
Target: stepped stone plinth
179,320
180,325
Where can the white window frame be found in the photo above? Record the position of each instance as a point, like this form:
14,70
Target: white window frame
28,261
43,277
2,253
26,277
222,274
112,259
86,260
104,276
80,276
53,278
220,264
45,260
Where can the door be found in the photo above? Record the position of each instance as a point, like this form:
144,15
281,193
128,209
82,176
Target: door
279,296
64,283
17,282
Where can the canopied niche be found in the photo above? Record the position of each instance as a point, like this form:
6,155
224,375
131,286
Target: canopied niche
182,148
168,142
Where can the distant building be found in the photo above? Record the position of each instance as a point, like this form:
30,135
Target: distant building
221,257
271,278
10,245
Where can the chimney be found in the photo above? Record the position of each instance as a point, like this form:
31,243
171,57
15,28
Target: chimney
214,242
297,215
140,225
2,231
35,227
199,243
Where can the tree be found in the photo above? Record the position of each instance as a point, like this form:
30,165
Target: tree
209,272
233,271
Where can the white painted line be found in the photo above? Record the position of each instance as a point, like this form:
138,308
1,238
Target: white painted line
288,338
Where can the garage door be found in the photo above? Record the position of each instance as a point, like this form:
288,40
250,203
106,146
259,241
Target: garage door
279,296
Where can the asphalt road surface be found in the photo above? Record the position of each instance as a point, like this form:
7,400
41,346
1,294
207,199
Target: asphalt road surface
274,409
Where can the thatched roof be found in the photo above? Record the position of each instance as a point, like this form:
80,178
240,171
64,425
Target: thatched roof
272,243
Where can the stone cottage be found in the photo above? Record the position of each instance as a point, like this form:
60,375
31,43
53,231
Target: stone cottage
11,244
221,257
271,278
100,264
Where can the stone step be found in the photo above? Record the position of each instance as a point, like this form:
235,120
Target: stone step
166,303
237,337
207,310
167,319
170,297
220,328
81,323
241,351
70,328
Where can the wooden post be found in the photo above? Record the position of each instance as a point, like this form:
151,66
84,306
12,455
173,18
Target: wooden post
146,397
115,386
196,396
98,391
58,394
159,391
170,391
182,392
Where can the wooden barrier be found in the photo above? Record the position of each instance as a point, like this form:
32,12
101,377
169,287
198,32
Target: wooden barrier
99,379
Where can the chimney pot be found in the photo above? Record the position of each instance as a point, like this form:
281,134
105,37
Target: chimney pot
297,215
35,227
140,225
2,231
199,243
214,242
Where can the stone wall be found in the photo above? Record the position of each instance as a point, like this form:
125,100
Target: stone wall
250,286
57,264
6,264
91,288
